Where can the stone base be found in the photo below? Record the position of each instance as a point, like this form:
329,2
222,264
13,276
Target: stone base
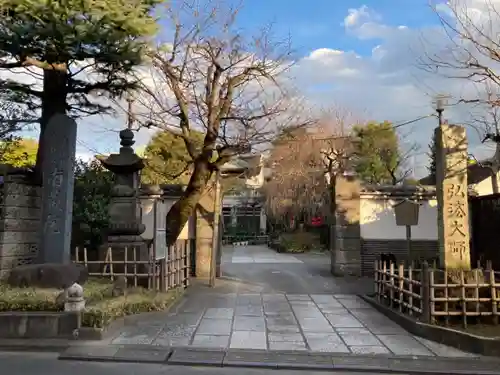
203,257
344,263
48,325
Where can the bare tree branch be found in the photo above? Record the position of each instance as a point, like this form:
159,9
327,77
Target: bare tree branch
306,164
214,80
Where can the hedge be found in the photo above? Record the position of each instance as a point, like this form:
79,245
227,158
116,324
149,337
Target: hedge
101,307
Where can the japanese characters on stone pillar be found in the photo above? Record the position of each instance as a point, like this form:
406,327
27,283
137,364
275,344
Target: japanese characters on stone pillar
452,187
57,191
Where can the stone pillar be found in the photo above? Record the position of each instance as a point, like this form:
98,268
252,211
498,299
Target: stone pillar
153,216
234,216
125,220
452,196
346,254
57,190
20,203
263,221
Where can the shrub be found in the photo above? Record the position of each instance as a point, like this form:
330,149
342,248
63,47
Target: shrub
101,307
104,312
44,299
299,242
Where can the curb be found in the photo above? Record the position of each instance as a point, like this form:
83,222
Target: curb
285,360
35,345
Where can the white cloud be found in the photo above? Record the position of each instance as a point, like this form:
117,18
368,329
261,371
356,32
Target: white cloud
389,83
359,16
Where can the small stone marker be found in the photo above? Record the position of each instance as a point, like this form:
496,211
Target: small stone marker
452,191
119,286
75,301
57,195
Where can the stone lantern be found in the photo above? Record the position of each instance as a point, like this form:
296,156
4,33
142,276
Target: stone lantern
125,221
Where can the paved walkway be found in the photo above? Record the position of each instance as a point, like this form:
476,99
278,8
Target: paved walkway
275,302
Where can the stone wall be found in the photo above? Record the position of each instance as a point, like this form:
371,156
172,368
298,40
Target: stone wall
19,222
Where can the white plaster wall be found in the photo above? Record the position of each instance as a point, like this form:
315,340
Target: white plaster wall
484,187
378,221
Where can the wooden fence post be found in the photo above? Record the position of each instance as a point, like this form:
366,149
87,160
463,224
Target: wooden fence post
426,293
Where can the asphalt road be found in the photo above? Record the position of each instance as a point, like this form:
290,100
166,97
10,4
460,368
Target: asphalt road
288,273
47,364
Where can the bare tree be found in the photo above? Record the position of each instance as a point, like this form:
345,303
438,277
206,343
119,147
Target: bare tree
472,54
487,124
307,167
297,186
214,80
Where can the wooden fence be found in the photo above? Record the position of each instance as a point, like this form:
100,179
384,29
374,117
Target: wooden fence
163,274
439,296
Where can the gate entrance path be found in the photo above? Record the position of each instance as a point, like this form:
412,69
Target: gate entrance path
279,302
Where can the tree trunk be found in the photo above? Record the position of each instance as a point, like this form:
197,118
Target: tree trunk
185,207
53,102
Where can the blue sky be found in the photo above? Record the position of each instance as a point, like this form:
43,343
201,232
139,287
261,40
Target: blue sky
319,23
359,55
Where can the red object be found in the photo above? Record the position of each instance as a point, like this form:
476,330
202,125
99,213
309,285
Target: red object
316,221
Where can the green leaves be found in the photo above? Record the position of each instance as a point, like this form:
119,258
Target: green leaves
377,152
167,158
101,41
92,195
432,157
18,153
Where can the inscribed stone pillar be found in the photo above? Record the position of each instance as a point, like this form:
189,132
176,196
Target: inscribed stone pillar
57,191
452,189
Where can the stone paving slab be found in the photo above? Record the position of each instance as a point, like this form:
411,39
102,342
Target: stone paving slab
117,353
320,323
278,360
190,356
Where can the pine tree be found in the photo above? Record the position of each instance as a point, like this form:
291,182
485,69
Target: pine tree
73,50
432,156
